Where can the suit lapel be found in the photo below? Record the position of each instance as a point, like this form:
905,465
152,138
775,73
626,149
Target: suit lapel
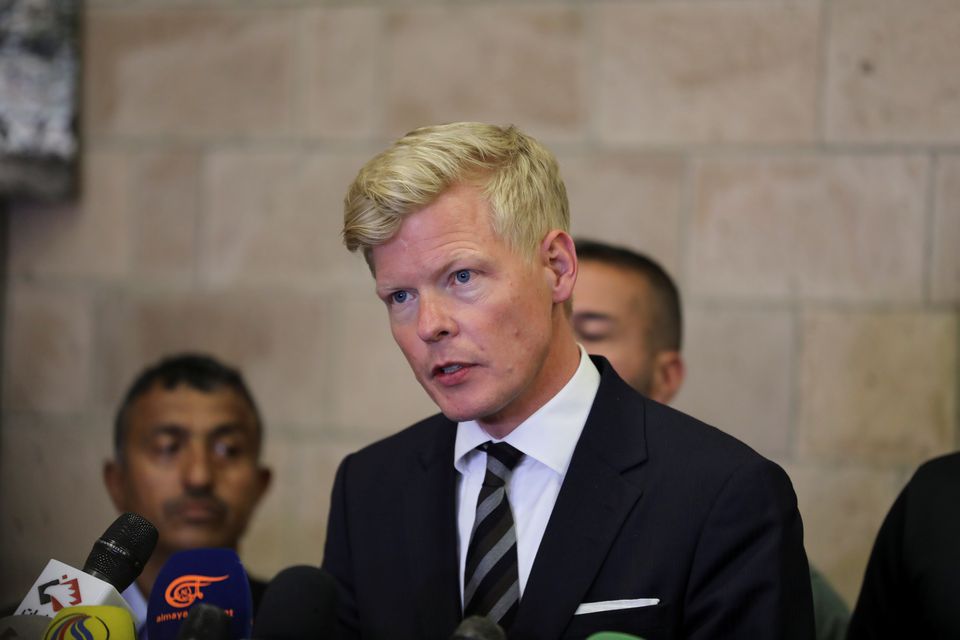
597,494
429,506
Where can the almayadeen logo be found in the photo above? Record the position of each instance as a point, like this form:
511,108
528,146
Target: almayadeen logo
186,590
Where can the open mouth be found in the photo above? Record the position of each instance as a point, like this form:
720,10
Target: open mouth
450,372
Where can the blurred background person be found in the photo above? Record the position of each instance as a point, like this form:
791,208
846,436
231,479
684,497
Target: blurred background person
626,307
187,441
913,577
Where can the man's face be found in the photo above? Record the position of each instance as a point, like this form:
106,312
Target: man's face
611,318
475,320
190,466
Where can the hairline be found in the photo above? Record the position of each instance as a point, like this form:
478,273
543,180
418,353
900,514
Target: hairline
122,420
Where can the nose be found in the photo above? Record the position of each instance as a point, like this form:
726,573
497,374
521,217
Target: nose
434,321
198,468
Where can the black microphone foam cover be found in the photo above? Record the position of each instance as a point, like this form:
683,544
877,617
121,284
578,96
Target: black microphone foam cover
478,628
121,552
205,622
300,603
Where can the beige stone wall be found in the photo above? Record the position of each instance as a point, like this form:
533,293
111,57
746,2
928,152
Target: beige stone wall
795,163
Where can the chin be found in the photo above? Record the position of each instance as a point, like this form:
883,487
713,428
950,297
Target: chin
459,413
199,540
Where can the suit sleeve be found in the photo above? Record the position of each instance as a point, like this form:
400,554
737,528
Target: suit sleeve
877,613
337,557
750,577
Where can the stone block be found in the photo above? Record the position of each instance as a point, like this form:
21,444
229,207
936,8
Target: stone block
945,272
91,238
374,391
54,501
694,72
165,207
290,525
342,92
276,217
848,228
739,374
891,71
842,508
878,386
189,71
498,63
48,350
627,199
277,339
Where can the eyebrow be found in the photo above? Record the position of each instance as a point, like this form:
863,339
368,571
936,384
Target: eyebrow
176,429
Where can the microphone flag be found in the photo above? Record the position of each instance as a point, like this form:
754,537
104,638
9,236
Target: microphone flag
92,623
60,586
211,576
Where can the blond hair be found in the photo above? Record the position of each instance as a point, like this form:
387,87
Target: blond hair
517,175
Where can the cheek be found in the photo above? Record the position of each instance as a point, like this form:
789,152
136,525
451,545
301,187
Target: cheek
405,337
150,479
240,488
148,494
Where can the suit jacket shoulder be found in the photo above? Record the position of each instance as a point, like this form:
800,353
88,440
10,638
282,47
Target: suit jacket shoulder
657,505
391,536
913,575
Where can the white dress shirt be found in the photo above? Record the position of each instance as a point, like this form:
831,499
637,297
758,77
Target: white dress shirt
547,438
138,603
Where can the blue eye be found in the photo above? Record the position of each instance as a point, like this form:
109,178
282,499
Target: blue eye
463,276
399,296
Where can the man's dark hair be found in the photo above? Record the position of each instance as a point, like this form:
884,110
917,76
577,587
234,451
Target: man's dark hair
666,320
196,370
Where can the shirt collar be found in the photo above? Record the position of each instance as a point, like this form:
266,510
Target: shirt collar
563,417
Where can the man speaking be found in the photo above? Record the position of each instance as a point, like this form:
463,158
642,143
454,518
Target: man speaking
547,495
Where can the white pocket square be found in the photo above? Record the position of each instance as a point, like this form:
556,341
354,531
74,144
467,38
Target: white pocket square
615,605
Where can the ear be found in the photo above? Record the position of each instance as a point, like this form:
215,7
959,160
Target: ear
669,372
113,479
264,479
560,259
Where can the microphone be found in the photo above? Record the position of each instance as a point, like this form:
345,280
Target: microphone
92,623
27,627
205,622
214,576
115,561
300,603
478,628
120,554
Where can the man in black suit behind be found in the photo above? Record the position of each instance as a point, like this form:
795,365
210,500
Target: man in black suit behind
547,495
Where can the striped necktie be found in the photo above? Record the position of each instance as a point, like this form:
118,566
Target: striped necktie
491,583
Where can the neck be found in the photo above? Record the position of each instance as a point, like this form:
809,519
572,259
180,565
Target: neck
151,570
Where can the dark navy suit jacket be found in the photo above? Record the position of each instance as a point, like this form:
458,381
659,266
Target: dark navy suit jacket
654,505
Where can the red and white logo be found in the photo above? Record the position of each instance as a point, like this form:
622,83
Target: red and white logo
60,593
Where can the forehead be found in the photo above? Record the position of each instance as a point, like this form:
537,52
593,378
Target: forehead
189,408
458,222
605,286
